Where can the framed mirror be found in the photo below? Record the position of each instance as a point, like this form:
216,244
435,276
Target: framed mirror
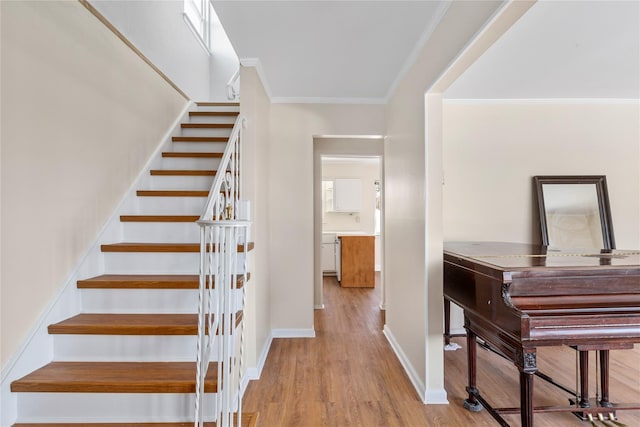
574,211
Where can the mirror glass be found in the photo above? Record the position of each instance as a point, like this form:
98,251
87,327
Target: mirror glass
574,212
573,215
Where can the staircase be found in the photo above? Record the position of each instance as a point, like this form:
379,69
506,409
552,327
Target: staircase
128,359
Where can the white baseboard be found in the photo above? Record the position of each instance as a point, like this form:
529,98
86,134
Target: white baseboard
37,348
415,379
428,396
254,373
436,397
293,333
458,331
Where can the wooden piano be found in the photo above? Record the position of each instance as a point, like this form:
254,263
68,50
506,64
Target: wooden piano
517,297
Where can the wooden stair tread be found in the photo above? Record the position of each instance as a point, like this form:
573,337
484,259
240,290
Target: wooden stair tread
172,193
159,218
158,247
129,324
146,281
176,172
206,125
196,154
213,113
115,377
249,419
200,138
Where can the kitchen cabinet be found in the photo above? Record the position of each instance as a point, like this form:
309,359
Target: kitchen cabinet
328,253
357,258
342,195
347,195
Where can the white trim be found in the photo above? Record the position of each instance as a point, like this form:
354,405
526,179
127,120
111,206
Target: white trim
458,331
38,342
415,379
318,307
255,63
195,33
415,53
293,333
76,269
541,101
351,137
327,100
436,397
504,8
254,373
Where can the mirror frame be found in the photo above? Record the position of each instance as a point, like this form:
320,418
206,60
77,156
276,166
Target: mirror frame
600,182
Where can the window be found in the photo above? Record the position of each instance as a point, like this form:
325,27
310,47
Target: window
197,14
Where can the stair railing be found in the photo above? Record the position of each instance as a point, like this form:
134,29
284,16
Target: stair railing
233,86
223,236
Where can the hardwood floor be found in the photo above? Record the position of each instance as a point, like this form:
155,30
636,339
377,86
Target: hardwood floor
349,376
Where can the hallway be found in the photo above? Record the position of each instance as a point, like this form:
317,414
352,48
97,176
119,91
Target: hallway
349,376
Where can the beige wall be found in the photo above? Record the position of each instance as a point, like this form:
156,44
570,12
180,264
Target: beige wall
492,151
81,115
255,146
413,202
364,220
291,250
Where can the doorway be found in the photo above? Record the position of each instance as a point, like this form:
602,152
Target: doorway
352,162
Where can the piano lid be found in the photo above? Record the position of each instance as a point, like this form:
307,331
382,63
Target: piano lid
509,256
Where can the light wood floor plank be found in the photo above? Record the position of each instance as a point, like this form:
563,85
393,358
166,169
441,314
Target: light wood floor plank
349,376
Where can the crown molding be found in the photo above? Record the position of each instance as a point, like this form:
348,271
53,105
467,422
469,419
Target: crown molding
255,63
543,101
415,53
319,100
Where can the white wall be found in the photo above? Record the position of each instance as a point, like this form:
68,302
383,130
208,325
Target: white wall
223,62
492,151
413,215
255,146
157,28
291,178
81,115
368,173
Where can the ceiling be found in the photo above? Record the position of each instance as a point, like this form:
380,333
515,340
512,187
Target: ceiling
354,51
561,49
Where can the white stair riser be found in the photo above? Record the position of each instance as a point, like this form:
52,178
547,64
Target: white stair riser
151,205
199,147
145,301
234,108
212,119
206,132
110,407
161,232
161,182
154,262
126,348
190,163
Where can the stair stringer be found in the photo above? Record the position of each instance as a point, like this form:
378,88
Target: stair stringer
36,409
37,348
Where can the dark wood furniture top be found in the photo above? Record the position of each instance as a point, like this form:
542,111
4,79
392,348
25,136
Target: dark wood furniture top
517,297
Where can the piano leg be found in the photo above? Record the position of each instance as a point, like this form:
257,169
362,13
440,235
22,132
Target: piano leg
472,403
604,378
447,321
526,398
584,378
